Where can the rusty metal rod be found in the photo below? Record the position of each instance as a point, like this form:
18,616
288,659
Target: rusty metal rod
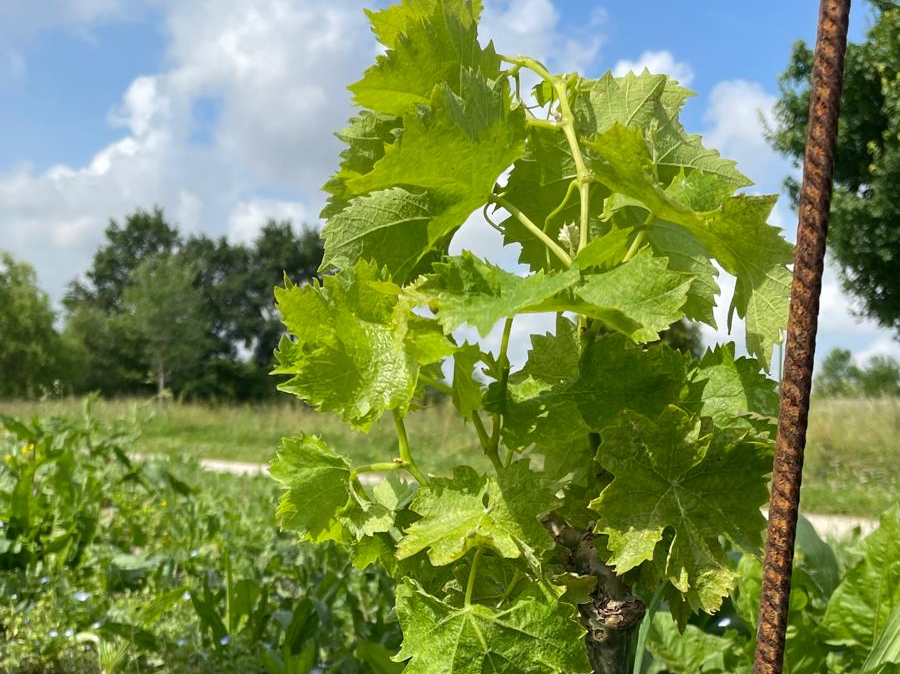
812,228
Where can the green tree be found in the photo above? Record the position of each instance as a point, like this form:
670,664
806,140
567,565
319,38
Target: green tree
143,234
881,377
30,348
279,251
163,309
235,282
865,214
838,377
111,359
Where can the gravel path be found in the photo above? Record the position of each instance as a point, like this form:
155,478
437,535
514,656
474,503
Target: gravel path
827,526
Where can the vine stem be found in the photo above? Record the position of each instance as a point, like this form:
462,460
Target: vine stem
534,229
405,455
485,440
635,246
567,125
493,448
565,202
582,172
644,630
470,586
376,468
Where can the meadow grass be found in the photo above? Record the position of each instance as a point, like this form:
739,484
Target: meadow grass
852,460
253,432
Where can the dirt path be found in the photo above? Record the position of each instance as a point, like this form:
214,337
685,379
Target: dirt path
827,526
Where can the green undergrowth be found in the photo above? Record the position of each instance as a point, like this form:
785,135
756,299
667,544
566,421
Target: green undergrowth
113,566
109,565
851,458
251,433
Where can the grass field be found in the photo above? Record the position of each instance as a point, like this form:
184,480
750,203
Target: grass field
852,462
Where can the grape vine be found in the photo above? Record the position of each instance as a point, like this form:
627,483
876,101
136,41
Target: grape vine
622,470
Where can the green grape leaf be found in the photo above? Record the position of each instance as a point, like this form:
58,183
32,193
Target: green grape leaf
457,147
496,580
726,389
606,250
536,634
316,482
632,100
403,211
471,511
428,44
652,103
553,358
378,514
688,256
737,234
869,591
621,160
556,413
639,298
667,473
538,408
616,375
427,341
466,394
753,251
390,23
391,226
465,289
699,191
353,352
366,137
678,153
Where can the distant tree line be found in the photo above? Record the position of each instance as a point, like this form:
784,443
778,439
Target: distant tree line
840,377
156,312
160,313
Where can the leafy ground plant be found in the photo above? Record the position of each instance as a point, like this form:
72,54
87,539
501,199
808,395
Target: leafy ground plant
841,620
110,565
621,469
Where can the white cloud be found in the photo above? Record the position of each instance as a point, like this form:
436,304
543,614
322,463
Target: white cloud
532,27
735,118
882,346
657,62
248,217
277,72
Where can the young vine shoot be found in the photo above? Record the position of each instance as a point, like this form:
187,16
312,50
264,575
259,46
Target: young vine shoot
622,469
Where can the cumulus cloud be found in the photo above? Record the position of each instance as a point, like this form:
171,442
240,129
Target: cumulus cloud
532,27
884,346
735,119
276,71
21,20
657,62
271,76
248,217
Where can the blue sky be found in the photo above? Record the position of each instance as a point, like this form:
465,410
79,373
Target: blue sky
221,111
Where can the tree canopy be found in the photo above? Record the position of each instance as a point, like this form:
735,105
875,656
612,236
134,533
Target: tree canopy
165,311
864,235
111,311
30,346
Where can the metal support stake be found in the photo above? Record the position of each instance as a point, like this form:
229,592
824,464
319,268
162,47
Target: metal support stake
815,203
